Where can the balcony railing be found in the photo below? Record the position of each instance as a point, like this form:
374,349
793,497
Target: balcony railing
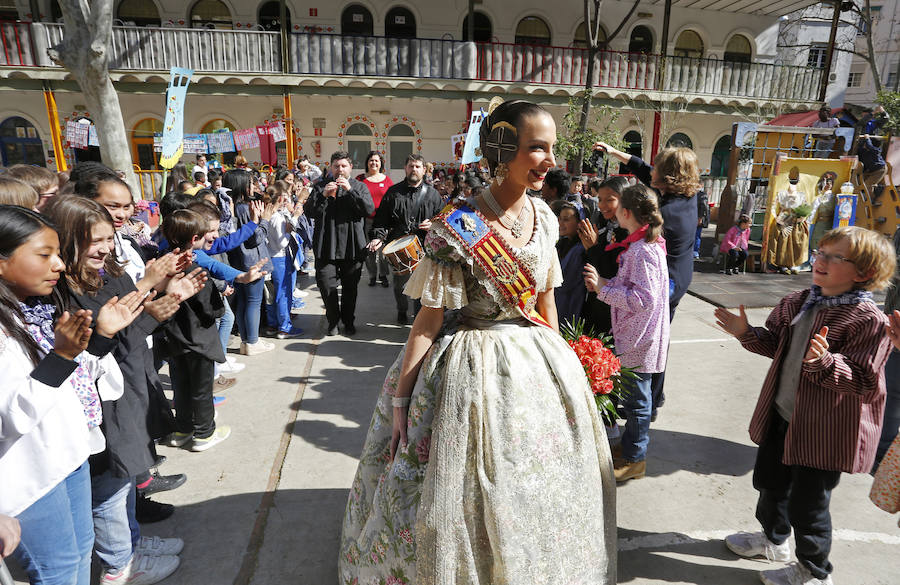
224,51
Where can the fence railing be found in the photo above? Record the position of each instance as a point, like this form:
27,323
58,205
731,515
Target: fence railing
210,50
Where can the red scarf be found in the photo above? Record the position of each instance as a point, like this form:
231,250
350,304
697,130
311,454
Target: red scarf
634,237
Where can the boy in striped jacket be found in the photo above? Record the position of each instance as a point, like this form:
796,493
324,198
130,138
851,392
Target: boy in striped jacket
820,409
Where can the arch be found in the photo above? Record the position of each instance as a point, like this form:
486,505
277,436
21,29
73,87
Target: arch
401,144
211,14
8,10
138,13
634,143
738,49
399,22
579,37
269,15
220,125
358,129
55,11
721,154
680,139
689,43
358,145
533,30
484,30
356,19
640,40
20,143
142,151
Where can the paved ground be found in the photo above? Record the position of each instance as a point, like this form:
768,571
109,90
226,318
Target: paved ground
265,507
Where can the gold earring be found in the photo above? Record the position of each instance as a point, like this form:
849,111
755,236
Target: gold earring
501,172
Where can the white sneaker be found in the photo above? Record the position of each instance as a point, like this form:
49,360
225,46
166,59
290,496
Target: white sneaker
142,570
154,546
231,367
219,435
261,346
176,439
299,294
793,574
230,359
756,544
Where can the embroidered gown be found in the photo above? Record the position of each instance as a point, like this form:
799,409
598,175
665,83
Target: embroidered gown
507,476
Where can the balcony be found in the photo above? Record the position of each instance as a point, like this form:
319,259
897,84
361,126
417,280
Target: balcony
551,69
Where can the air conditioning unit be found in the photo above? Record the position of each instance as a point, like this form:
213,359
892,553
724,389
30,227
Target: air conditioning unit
832,77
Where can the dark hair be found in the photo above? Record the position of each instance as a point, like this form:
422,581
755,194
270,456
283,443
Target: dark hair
744,218
199,176
338,155
88,181
178,173
79,215
415,158
173,202
184,185
206,209
558,180
559,206
213,174
238,180
512,112
17,226
85,169
282,174
380,159
642,202
182,226
199,154
617,184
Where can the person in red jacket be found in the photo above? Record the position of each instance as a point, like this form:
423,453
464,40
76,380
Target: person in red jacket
820,410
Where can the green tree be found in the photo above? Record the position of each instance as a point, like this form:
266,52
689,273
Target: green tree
572,140
890,101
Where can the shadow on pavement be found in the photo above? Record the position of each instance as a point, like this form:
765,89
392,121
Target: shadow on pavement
672,451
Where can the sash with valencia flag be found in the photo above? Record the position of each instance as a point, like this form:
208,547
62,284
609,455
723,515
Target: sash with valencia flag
495,257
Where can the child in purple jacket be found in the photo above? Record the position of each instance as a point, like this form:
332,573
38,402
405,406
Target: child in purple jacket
639,298
735,244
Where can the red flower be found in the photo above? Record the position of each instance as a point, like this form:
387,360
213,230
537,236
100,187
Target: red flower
600,363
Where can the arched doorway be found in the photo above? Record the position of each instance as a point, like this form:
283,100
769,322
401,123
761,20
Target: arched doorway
718,165
680,139
400,144
532,30
483,29
633,146
738,50
641,40
400,23
211,14
142,152
20,143
269,16
220,125
138,13
580,40
8,10
359,143
689,44
357,20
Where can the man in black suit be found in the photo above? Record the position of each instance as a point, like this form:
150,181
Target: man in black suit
339,206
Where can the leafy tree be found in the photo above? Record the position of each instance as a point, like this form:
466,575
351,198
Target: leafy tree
573,139
890,101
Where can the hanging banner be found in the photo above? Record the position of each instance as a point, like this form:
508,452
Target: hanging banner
266,145
278,132
220,142
93,140
472,139
245,139
457,145
195,144
77,134
173,127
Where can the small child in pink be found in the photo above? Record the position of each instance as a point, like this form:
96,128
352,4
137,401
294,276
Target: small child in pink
735,244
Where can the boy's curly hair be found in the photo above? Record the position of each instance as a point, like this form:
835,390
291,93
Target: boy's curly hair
678,170
871,253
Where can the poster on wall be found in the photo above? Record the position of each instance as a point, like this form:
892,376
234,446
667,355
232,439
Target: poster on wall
457,145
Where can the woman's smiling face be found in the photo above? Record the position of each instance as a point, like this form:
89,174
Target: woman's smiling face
537,136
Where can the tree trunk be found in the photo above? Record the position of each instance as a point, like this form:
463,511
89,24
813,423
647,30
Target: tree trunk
85,53
591,26
876,77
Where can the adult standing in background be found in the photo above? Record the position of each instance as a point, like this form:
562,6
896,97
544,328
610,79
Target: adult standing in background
378,183
407,208
825,144
339,206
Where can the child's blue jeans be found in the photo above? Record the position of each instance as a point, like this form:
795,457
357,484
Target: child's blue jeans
637,406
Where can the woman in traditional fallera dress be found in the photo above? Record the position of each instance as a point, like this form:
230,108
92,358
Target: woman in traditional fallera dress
486,462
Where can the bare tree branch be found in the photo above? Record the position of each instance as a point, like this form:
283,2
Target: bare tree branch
624,20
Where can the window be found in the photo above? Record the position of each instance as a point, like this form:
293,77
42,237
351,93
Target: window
401,143
138,13
718,166
641,40
738,49
357,20
20,143
211,14
580,40
817,54
891,83
359,143
220,125
863,27
633,146
855,79
531,30
680,139
142,152
8,10
483,29
270,16
689,44
400,23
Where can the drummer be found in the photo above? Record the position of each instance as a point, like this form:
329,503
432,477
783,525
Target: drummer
407,208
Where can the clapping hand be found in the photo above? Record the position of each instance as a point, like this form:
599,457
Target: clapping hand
253,274
592,279
893,329
736,325
72,333
162,308
587,233
184,286
256,209
117,314
158,269
818,346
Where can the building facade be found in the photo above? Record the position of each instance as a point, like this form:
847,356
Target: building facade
401,77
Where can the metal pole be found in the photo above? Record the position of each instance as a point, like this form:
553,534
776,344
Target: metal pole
829,54
55,135
289,129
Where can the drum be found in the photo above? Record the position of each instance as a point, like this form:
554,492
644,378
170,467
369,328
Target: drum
404,254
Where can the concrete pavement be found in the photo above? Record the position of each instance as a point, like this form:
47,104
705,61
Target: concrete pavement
265,507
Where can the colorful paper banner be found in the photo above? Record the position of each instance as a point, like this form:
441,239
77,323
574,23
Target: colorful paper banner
245,139
173,127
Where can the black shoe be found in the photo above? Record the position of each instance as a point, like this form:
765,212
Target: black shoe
147,511
350,329
371,282
162,483
402,319
333,330
160,459
385,283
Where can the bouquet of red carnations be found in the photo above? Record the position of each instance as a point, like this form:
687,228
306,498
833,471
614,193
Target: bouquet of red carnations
606,376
